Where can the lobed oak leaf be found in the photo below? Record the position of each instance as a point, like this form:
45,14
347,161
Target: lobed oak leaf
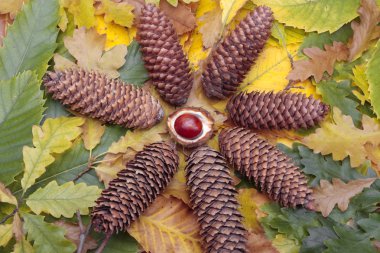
320,61
182,16
17,228
118,12
373,77
83,12
5,234
327,195
258,242
23,246
366,30
93,131
342,138
6,195
169,226
360,80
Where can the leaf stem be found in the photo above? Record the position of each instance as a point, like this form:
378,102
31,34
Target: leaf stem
104,243
83,232
9,216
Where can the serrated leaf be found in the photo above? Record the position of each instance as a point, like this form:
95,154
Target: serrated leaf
63,200
320,16
22,49
133,71
371,225
285,245
229,9
21,107
5,234
23,246
93,131
338,193
54,137
47,237
314,243
166,226
6,195
118,12
374,79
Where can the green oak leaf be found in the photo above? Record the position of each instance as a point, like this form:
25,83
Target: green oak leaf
314,243
373,77
371,225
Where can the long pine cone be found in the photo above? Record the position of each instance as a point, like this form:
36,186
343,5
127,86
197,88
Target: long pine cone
164,59
213,199
93,94
229,63
260,110
270,169
135,188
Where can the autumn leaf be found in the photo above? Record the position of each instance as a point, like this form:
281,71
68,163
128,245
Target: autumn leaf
119,13
168,225
54,137
10,6
338,193
320,61
82,10
258,242
5,234
374,79
23,246
360,80
73,234
182,17
230,8
17,227
366,30
87,48
6,195
211,26
93,131
342,138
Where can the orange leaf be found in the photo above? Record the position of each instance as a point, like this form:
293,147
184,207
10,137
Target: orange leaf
258,242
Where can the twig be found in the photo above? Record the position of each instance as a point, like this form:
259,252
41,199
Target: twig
83,232
88,168
9,216
104,243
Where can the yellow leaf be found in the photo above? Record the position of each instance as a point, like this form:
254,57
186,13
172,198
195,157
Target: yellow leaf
54,137
285,245
194,49
5,234
62,63
373,155
212,26
360,80
116,34
287,35
230,8
6,195
10,6
110,166
93,131
169,226
82,10
342,138
23,246
328,195
119,13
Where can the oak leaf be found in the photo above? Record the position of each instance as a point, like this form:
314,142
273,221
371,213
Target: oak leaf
320,61
87,48
212,26
338,193
258,242
83,12
6,195
182,16
342,138
120,13
5,234
17,227
169,226
366,30
93,131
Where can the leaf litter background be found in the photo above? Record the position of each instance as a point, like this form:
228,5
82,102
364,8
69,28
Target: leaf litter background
53,163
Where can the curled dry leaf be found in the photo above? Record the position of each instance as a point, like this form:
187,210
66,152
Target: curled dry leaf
366,30
328,195
320,61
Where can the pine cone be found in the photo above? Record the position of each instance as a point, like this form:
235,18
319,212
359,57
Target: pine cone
276,110
109,100
230,62
135,188
213,199
271,170
163,56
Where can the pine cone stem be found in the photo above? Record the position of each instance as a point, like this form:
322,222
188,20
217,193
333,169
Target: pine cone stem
213,199
135,188
111,101
164,59
229,63
270,169
260,110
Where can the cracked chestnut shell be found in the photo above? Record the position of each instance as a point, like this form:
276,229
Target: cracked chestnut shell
190,126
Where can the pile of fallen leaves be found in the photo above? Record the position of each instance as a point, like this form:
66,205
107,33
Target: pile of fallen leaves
53,163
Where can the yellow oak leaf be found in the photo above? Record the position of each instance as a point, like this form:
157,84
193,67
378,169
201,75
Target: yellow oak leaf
87,48
120,13
230,8
82,10
93,131
6,195
23,246
327,195
342,138
169,226
360,80
54,137
5,234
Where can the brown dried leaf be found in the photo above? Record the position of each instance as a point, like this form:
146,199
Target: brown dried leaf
212,26
319,62
17,227
73,234
258,242
364,31
4,20
327,195
182,16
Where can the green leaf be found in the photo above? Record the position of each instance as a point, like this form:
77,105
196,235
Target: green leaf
63,200
54,137
320,16
349,241
121,243
5,234
47,237
30,41
371,225
133,71
337,94
54,109
23,246
373,77
314,243
21,107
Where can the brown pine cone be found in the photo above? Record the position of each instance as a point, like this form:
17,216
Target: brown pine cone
164,59
270,169
229,63
259,110
213,199
135,188
109,100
